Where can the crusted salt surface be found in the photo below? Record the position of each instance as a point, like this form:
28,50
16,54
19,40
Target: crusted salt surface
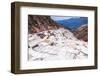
59,44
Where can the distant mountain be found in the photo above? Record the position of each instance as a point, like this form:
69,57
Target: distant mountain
73,23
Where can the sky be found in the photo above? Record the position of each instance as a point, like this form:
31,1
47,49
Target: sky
61,17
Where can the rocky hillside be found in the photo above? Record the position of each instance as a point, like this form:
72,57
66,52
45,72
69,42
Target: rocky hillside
82,33
38,23
49,41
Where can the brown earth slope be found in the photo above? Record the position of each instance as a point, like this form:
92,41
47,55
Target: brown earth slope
82,33
37,23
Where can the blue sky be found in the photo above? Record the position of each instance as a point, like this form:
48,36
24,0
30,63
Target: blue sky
61,17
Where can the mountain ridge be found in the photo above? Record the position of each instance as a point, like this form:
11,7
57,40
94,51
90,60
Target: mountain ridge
73,23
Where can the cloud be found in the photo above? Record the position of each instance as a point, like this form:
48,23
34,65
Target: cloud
56,18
